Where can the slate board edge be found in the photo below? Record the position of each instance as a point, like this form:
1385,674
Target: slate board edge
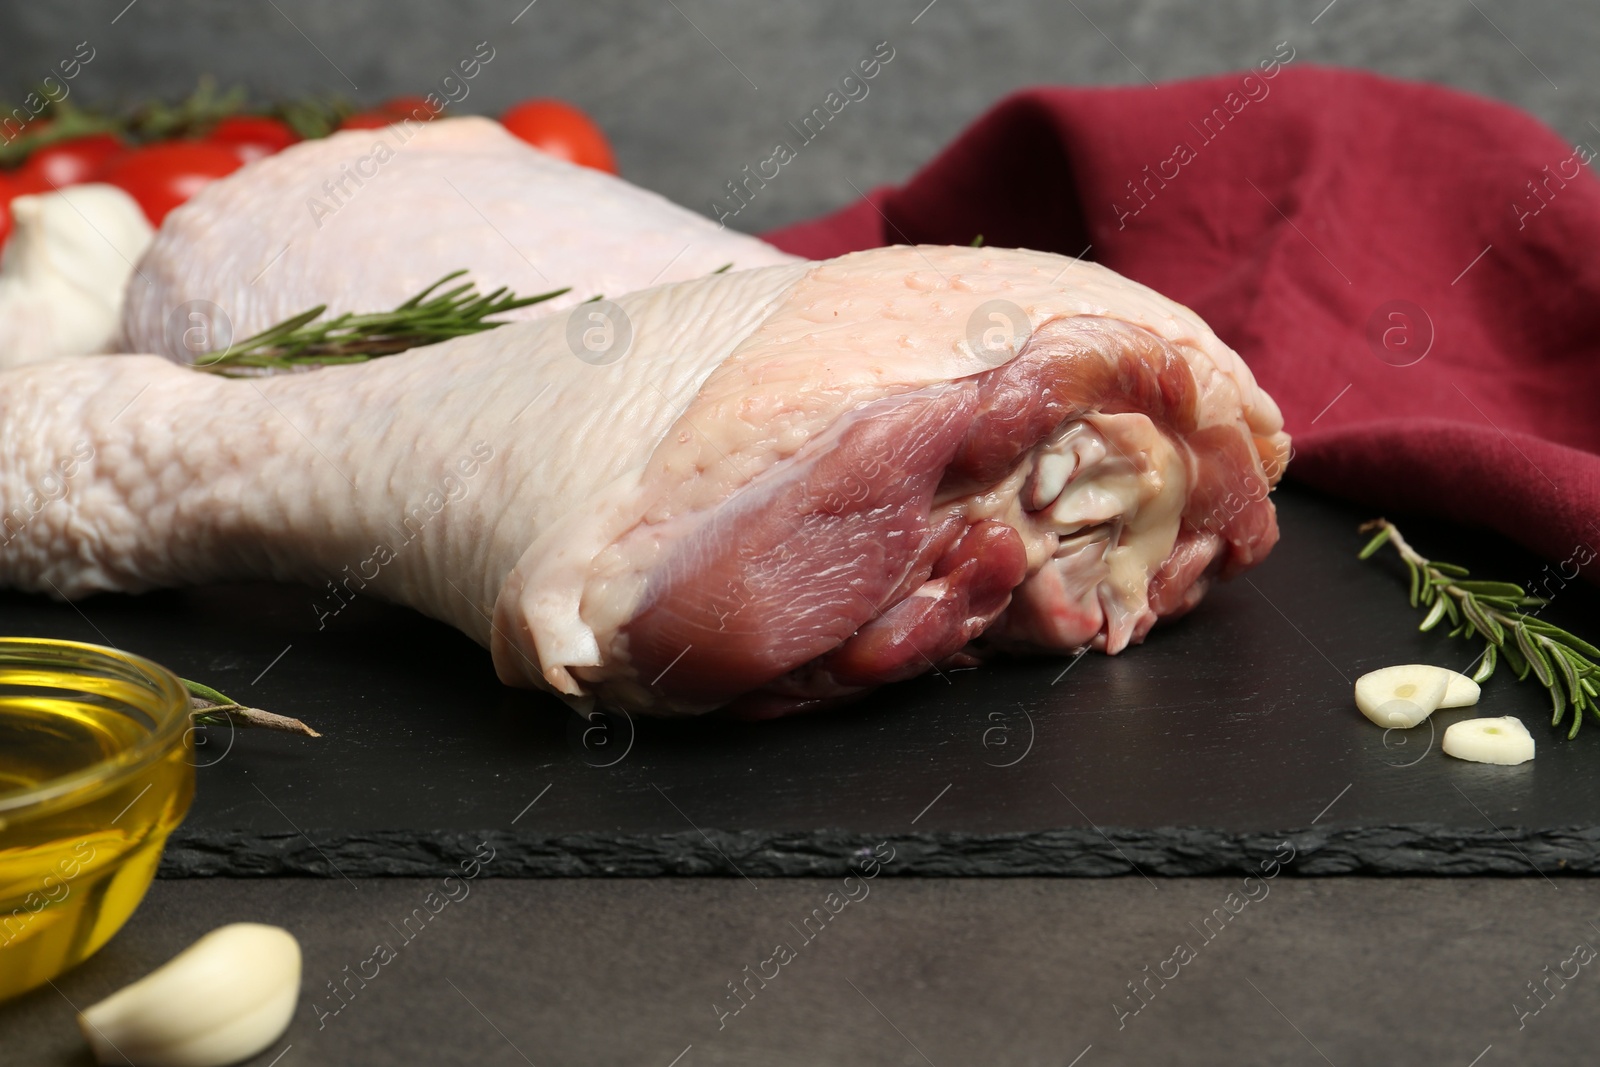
1411,849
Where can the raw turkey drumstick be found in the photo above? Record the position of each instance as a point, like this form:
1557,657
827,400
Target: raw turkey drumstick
364,219
769,490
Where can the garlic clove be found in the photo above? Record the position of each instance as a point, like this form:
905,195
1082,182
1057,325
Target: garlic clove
221,1000
1400,697
1504,741
64,272
1459,692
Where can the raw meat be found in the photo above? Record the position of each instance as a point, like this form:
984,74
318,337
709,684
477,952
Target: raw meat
796,483
364,219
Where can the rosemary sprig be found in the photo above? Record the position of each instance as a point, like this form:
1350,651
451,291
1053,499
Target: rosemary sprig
211,708
57,121
156,120
1565,664
425,319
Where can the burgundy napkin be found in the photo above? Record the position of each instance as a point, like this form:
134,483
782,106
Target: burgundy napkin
1412,272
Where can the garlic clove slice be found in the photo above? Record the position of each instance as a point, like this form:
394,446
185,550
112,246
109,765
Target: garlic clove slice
1504,741
1400,697
221,1000
1459,692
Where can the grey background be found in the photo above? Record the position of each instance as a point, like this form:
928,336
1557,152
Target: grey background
685,117
1345,971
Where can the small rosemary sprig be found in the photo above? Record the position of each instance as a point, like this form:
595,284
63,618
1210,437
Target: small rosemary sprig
211,708
425,319
1564,663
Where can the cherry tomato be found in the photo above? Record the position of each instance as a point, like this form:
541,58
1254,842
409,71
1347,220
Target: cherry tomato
562,130
25,183
5,211
252,137
162,176
390,112
70,162
368,120
410,107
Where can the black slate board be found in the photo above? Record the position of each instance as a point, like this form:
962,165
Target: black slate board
1197,752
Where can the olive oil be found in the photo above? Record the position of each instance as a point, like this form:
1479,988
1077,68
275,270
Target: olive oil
95,772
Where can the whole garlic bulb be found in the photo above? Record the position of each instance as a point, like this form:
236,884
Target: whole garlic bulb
221,1000
64,272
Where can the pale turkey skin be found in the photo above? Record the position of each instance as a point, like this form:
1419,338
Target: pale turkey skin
820,430
364,219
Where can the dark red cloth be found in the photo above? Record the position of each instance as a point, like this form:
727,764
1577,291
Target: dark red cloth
1306,203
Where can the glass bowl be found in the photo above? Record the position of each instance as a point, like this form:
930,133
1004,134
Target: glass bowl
95,772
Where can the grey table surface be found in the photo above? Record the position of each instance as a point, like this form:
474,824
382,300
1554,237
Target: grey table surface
1344,970
1349,971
